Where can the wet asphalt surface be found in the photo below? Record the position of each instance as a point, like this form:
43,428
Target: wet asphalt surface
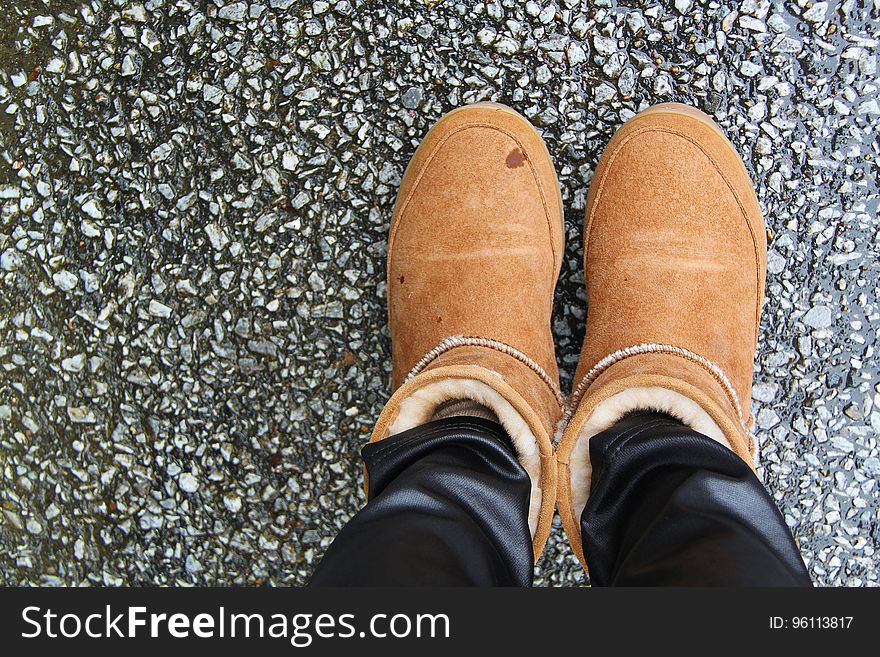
194,199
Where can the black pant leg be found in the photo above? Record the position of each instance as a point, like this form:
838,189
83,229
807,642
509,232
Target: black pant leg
671,507
448,506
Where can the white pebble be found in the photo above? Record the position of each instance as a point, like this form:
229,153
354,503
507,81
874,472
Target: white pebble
232,503
65,280
10,260
682,6
159,309
212,94
188,483
55,65
128,67
576,54
161,152
818,317
604,45
234,12
217,236
74,363
816,13
92,209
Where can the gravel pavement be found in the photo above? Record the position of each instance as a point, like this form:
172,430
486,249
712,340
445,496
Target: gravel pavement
194,200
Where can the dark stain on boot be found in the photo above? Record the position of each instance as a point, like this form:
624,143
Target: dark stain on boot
402,279
515,159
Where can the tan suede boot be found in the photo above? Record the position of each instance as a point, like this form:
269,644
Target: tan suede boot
474,253
675,262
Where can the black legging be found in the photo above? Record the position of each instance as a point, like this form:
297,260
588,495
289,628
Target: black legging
668,506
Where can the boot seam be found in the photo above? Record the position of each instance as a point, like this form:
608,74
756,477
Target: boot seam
653,348
455,341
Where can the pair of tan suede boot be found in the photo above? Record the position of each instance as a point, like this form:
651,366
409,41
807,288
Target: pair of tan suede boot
674,258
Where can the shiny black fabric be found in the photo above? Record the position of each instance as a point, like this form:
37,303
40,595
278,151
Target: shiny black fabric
670,507
448,507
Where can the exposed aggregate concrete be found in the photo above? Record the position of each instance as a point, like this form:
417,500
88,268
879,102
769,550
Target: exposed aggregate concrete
194,200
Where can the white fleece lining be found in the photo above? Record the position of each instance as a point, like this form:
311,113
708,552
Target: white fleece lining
608,412
420,406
